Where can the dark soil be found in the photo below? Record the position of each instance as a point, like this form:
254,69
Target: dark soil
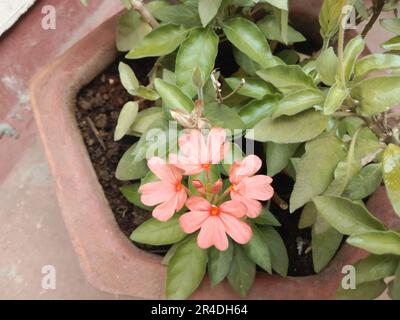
98,106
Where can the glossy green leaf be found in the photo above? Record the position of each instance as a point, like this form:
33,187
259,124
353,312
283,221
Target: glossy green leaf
266,218
289,56
281,4
365,183
364,291
208,9
375,267
219,264
277,250
329,17
308,216
392,44
287,78
146,93
257,250
170,253
159,42
256,110
178,14
352,51
374,62
158,233
327,65
130,169
335,97
128,78
131,29
298,101
131,193
186,269
253,87
310,182
325,243
269,25
346,216
392,25
126,118
223,116
145,118
278,156
199,50
391,175
377,94
395,291
248,65
173,97
248,38
242,273
377,242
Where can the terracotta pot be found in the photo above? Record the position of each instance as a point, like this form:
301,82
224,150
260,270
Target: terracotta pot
109,260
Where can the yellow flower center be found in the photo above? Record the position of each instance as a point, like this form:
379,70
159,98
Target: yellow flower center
206,166
233,187
179,186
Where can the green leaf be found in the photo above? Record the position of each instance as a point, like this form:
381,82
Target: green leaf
392,25
346,216
130,169
377,94
170,253
365,183
329,17
281,4
308,216
158,233
197,51
266,218
173,97
364,291
269,25
391,175
146,93
219,264
277,250
248,65
248,38
126,118
131,193
128,78
208,9
291,129
287,78
327,65
145,118
242,273
257,250
325,243
352,51
257,110
253,87
159,42
278,156
186,269
223,116
178,14
334,100
392,44
131,29
309,181
375,267
298,101
289,56
374,62
377,242
395,292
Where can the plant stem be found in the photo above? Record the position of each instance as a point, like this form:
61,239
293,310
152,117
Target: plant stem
340,54
377,11
146,15
280,202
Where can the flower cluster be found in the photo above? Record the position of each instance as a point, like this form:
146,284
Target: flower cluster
218,208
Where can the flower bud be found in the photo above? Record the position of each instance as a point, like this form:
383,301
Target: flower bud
216,187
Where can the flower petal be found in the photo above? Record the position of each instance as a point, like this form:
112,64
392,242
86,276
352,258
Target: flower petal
216,145
192,220
166,210
185,165
256,187
153,193
253,206
234,208
213,233
237,229
198,204
181,199
165,172
249,166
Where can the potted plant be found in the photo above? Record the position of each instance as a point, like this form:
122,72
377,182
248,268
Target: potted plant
232,131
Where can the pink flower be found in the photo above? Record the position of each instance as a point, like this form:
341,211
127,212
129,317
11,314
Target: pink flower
197,155
247,188
169,193
215,222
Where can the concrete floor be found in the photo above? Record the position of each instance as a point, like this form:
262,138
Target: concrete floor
32,232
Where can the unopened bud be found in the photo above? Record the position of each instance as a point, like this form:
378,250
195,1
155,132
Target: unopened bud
216,187
199,186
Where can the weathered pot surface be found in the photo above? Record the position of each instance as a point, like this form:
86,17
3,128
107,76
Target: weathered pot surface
109,260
